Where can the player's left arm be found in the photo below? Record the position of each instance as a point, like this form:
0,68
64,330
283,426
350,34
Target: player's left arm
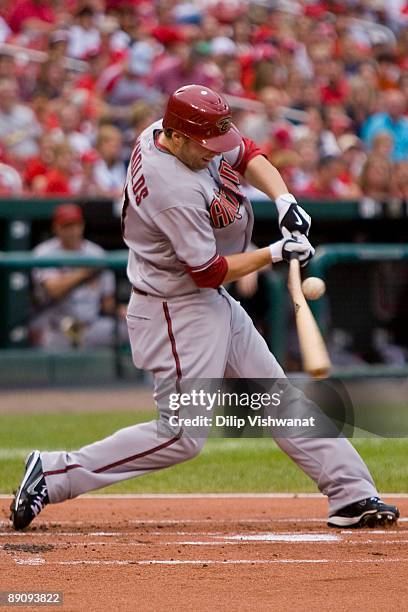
260,173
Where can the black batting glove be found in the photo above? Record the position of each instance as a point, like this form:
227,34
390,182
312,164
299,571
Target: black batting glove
284,249
292,217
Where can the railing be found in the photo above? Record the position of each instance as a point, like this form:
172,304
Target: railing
30,208
326,257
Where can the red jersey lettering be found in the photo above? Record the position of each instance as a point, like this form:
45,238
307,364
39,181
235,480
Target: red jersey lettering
224,209
139,186
228,176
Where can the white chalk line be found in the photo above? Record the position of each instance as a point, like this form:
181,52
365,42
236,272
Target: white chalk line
128,545
103,562
230,542
222,543
218,539
30,561
297,519
188,521
113,534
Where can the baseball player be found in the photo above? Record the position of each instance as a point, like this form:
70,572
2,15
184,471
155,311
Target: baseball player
76,304
187,225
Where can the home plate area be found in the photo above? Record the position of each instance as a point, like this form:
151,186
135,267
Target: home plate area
202,552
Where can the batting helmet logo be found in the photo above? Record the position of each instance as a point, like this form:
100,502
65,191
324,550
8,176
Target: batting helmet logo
224,124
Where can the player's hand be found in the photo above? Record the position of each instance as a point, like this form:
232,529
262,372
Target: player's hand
292,217
283,249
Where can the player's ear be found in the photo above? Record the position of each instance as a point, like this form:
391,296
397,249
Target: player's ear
177,138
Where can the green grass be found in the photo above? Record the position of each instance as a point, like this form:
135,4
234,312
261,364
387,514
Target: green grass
225,465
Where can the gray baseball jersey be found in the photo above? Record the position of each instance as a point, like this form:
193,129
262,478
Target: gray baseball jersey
175,217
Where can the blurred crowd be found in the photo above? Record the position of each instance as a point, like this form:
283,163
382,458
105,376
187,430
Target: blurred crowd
320,85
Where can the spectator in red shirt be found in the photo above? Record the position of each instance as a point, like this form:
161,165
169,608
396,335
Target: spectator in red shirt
336,88
39,165
87,185
33,14
58,179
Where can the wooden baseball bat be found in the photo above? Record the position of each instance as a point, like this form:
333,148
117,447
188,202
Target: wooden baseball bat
315,358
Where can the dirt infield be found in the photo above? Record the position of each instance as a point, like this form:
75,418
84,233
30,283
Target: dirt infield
203,554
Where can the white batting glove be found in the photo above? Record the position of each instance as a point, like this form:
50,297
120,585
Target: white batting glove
293,219
283,249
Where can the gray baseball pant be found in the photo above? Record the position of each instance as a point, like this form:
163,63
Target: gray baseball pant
204,335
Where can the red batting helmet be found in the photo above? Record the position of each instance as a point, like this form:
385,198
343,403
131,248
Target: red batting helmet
202,115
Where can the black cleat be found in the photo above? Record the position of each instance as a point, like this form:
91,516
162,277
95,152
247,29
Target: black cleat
32,494
370,512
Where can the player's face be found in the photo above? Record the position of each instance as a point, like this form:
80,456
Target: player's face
70,235
193,154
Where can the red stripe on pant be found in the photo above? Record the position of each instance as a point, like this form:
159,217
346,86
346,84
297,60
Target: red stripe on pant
172,340
120,462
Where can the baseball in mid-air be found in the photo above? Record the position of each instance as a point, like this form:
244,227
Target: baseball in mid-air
313,288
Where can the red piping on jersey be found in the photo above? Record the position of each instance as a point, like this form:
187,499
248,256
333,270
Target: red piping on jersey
121,461
211,274
250,150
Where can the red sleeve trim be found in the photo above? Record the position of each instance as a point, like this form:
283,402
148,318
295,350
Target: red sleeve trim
203,266
249,151
211,274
